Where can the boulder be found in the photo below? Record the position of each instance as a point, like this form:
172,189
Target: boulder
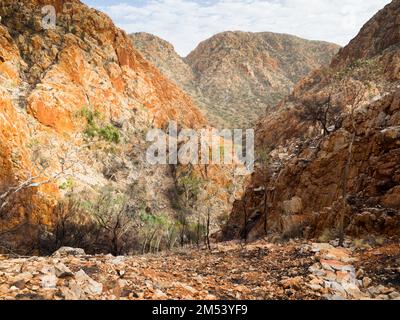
366,282
293,206
49,281
68,251
62,271
394,295
87,284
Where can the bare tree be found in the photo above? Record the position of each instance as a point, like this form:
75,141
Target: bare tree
244,203
32,181
210,202
39,177
208,228
264,160
188,188
345,176
114,217
322,112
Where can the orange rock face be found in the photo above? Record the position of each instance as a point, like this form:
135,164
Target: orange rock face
48,76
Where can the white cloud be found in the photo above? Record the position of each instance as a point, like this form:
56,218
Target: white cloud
185,23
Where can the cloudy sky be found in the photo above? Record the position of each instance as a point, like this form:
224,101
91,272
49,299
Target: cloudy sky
185,23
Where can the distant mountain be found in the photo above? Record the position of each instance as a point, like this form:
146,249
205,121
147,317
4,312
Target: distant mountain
235,76
163,55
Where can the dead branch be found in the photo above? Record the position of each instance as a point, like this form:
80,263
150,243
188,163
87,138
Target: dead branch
345,177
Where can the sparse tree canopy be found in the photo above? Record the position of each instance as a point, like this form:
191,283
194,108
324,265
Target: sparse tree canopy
321,112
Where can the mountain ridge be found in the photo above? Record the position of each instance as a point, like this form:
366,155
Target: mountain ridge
253,86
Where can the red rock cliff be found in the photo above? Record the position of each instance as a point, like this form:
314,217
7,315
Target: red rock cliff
298,187
47,77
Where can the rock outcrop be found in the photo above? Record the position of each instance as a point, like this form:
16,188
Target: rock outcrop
330,150
235,76
163,55
76,102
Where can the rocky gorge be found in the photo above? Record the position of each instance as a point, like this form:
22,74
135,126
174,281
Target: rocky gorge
83,215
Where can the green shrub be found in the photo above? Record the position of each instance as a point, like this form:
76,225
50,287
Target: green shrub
90,131
33,143
68,184
110,134
96,128
90,115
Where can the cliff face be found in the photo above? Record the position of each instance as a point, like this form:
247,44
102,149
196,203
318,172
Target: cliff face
87,51
331,149
235,76
163,55
75,105
375,37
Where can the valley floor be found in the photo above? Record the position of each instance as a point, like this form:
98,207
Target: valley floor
259,270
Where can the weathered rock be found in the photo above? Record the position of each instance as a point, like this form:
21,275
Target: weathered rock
374,291
68,251
72,293
336,287
340,254
189,288
23,278
343,276
293,283
360,273
54,75
87,284
366,281
158,294
336,265
316,270
317,247
49,281
118,260
394,295
293,206
315,287
384,289
329,275
199,274
317,280
352,290
62,271
335,297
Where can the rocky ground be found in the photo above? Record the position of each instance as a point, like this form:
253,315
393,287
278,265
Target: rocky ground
260,270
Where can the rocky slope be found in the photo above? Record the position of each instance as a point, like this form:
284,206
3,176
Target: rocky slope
235,76
76,104
163,55
261,270
331,150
